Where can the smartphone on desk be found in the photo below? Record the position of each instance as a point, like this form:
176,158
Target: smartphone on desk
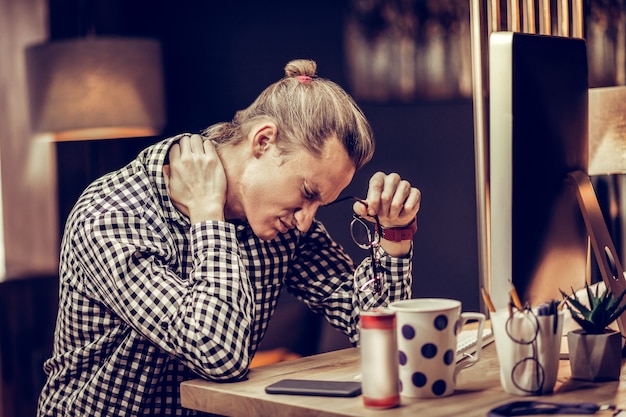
315,387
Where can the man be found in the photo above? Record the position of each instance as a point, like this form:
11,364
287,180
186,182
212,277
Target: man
171,267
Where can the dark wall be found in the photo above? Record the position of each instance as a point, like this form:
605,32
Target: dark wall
221,55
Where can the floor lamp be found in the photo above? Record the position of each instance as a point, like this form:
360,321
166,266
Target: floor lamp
96,88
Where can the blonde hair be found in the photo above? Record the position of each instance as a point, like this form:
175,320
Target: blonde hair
307,111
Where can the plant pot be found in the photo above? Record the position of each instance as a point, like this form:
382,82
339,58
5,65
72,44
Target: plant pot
595,357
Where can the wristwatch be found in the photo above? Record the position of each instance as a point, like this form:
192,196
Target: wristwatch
398,234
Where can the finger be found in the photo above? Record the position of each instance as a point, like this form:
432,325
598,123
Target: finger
375,189
389,191
411,205
209,146
174,152
399,199
360,208
415,199
185,145
196,144
381,192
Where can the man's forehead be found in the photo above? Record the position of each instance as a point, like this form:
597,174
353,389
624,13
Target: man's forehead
328,190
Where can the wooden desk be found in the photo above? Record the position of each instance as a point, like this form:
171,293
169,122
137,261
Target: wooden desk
478,391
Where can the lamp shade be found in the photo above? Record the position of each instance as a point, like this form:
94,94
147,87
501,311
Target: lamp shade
96,88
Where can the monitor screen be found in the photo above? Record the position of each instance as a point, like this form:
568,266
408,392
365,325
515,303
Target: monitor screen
538,133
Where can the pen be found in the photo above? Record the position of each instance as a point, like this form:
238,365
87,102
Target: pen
515,298
555,323
550,309
554,307
487,300
543,309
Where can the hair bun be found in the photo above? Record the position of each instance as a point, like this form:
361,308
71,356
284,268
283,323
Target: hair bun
300,67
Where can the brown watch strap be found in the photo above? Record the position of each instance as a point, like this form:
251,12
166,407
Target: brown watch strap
398,234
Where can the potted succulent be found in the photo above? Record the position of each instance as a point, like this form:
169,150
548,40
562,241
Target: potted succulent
595,350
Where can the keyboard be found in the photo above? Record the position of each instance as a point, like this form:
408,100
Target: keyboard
466,342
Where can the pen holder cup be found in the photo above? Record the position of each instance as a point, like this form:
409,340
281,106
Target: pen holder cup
528,346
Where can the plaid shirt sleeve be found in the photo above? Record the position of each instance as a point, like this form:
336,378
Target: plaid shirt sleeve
204,320
324,278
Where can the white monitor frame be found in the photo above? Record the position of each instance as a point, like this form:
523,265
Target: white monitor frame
538,134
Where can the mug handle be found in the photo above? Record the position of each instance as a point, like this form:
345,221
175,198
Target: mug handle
471,360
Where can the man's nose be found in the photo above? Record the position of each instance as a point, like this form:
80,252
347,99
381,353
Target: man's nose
304,217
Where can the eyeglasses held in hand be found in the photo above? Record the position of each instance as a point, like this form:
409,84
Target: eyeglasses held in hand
368,239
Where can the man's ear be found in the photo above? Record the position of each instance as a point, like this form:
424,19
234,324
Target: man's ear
263,138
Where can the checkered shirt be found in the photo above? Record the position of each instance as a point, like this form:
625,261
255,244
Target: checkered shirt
148,300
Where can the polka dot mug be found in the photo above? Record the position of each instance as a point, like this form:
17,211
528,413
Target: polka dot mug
427,330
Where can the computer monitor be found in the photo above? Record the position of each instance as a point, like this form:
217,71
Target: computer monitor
538,108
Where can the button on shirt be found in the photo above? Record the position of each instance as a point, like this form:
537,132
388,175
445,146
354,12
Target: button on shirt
148,300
